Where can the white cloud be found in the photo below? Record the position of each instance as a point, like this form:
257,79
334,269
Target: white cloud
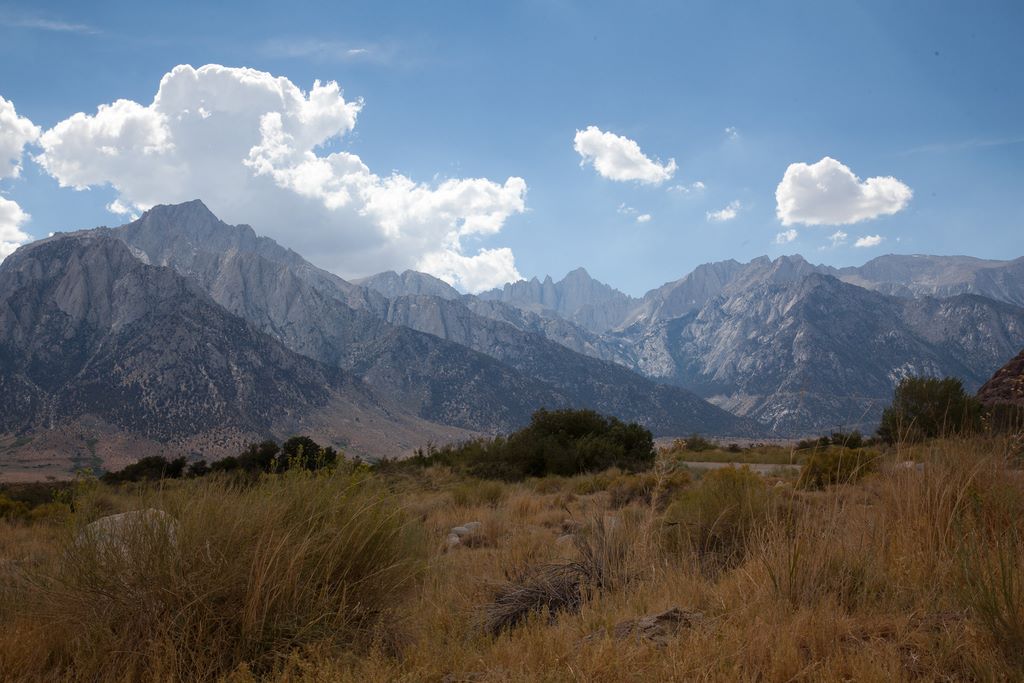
786,236
868,241
726,214
626,210
15,132
838,238
829,193
488,269
696,186
250,145
327,50
11,219
46,25
618,158
732,133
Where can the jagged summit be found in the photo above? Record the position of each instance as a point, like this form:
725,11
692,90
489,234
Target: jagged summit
578,297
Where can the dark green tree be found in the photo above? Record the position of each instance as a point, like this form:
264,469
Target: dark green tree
929,407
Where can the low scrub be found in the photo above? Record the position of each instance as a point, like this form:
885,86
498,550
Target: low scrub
836,465
712,522
480,493
233,577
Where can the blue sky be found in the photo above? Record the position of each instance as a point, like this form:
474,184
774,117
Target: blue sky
926,96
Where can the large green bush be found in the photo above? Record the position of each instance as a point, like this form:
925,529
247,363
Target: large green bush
928,407
557,442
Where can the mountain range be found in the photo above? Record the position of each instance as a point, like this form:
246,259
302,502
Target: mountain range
800,348
178,333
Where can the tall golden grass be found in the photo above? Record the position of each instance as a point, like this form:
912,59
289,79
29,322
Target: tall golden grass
902,573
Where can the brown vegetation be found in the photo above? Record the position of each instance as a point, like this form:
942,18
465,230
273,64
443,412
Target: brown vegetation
887,572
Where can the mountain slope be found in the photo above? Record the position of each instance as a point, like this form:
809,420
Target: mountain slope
96,345
940,276
323,317
819,354
601,385
439,358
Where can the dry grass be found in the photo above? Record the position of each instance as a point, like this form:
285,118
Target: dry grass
905,574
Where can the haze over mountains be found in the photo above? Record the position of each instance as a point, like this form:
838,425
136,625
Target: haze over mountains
178,331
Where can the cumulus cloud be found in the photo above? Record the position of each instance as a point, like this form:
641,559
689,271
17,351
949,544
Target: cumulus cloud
732,133
15,132
643,218
828,193
726,214
618,158
11,219
838,238
868,241
786,236
251,145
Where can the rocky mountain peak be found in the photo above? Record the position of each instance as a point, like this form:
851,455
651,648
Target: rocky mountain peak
409,283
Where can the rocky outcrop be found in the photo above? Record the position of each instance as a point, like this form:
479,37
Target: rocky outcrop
1006,386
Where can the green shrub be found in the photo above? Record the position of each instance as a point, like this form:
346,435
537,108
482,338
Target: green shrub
647,488
298,452
12,509
558,442
927,408
695,443
712,522
51,513
151,468
836,465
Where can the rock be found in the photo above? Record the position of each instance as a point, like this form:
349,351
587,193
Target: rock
115,532
656,629
1006,386
468,535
